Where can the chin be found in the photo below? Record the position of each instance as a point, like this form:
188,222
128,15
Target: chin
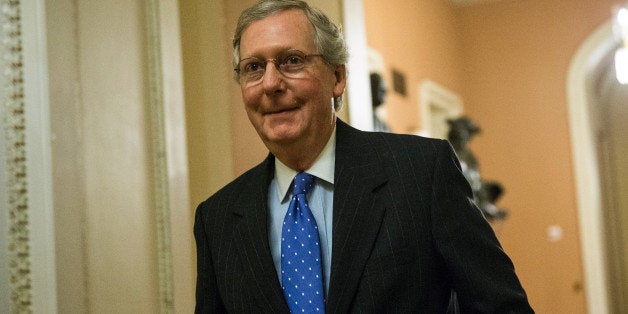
283,136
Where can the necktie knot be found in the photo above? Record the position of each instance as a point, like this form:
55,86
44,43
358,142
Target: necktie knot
303,182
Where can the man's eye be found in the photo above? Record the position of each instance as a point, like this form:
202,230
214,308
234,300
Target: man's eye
293,60
253,66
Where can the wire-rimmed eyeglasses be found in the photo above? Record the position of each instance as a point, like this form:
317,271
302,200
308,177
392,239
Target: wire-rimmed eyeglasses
289,63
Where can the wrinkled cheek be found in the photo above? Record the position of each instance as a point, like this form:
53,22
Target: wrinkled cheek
251,106
251,97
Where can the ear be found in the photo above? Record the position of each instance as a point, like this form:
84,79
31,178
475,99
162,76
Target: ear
340,73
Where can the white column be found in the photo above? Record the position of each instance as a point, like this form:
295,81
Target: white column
38,157
358,84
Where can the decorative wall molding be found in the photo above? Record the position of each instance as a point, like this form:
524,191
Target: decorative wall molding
437,104
14,130
160,179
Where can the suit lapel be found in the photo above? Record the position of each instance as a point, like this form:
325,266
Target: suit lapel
253,236
358,213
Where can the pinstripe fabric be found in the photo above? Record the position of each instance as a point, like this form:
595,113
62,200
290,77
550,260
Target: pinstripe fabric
405,233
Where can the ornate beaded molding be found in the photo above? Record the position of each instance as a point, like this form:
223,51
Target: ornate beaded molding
14,133
159,161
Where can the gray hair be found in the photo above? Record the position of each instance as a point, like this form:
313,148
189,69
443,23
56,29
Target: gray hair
328,37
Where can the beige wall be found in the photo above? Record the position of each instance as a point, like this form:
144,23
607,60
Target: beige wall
420,40
518,60
67,147
102,158
509,61
206,70
120,255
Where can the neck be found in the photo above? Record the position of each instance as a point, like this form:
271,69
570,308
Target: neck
297,162
300,155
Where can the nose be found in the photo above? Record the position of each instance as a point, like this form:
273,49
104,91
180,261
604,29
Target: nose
272,81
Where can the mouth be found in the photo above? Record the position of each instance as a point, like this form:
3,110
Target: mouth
282,110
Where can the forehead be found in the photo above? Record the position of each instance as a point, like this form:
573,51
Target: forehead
284,30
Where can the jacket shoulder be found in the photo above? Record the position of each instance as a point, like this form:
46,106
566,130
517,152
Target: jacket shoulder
393,140
228,193
410,147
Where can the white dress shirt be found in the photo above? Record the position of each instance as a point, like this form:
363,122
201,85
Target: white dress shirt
320,199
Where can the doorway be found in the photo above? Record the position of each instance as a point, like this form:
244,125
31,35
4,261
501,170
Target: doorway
598,114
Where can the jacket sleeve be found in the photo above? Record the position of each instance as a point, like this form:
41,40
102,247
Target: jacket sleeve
207,296
482,275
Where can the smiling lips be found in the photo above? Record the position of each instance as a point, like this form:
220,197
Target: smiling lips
282,110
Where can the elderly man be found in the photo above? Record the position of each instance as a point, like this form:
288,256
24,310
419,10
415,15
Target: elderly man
336,219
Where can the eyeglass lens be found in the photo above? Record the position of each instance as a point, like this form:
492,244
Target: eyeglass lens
288,63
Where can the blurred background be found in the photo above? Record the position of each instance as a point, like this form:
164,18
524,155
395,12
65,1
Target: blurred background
119,117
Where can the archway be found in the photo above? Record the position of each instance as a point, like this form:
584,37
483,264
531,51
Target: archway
580,87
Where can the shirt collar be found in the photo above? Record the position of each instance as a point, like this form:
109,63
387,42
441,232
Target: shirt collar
323,167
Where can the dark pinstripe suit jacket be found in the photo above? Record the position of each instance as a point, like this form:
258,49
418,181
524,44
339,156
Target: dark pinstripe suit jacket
405,232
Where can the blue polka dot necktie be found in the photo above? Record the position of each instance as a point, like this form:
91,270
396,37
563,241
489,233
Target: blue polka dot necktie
301,269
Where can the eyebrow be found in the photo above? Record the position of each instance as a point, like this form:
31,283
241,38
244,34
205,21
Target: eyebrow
259,56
